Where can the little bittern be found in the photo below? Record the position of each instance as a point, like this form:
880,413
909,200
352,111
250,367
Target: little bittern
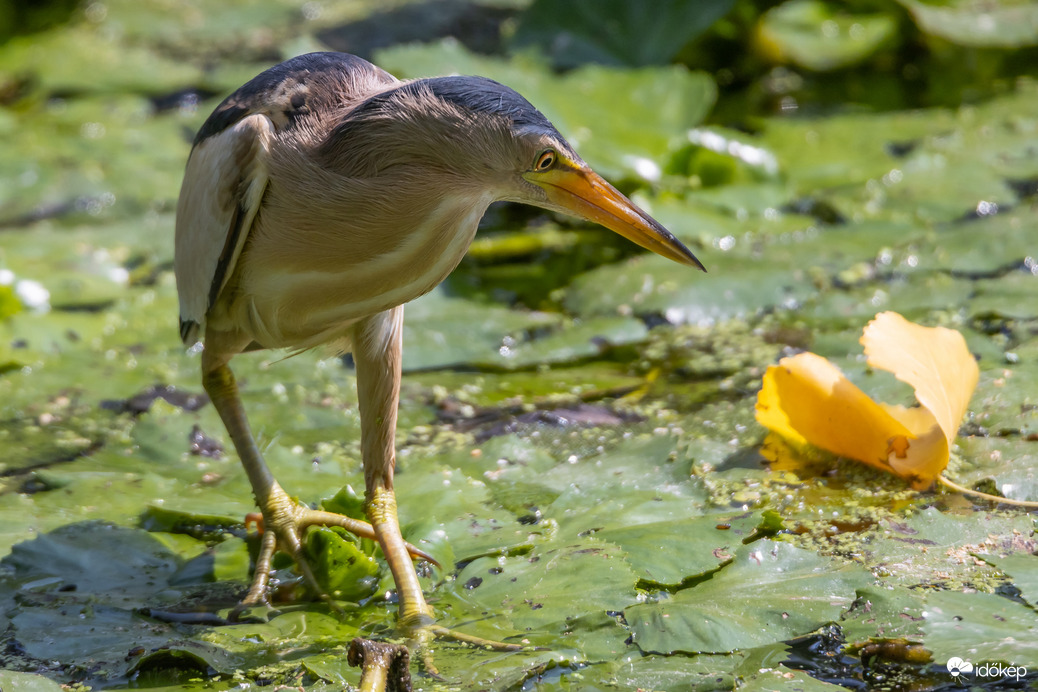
322,196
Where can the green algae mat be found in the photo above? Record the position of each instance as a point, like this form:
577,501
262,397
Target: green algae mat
577,443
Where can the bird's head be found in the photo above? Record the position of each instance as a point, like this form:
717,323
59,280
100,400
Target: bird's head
556,178
546,172
473,131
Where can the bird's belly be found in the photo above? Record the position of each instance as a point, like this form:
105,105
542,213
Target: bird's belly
295,308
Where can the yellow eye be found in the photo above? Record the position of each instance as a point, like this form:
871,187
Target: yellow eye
545,161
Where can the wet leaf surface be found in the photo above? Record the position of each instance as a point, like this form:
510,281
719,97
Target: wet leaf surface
576,415
787,592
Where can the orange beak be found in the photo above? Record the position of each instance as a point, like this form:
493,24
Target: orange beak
579,191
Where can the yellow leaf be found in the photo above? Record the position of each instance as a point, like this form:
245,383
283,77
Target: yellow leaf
934,361
807,400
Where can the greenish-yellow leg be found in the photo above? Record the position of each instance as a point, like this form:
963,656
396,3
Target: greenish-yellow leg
377,348
285,520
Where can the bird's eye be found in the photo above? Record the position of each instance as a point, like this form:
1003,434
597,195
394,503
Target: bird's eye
545,161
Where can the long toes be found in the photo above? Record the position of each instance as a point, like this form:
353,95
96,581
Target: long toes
362,529
419,554
454,635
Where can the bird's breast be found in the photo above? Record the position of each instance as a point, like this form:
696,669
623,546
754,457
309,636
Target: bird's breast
304,284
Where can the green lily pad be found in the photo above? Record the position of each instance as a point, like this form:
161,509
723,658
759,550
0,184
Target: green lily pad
700,545
437,503
114,565
84,58
881,612
60,166
27,682
587,382
440,331
1008,24
783,679
705,673
1022,569
980,627
820,37
783,592
288,637
637,481
915,296
903,551
614,32
88,636
339,565
548,586
1008,296
1010,463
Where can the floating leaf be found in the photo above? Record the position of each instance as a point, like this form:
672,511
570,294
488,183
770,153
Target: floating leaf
339,565
781,591
701,545
980,627
1022,569
615,32
807,400
810,34
12,681
978,23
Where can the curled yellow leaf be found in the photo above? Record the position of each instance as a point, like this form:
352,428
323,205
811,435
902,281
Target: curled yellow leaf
807,400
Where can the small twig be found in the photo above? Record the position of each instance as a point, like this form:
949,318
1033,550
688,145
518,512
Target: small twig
985,496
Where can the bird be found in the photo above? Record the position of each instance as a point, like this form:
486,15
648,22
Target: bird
317,200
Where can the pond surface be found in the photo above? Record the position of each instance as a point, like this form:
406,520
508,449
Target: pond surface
577,439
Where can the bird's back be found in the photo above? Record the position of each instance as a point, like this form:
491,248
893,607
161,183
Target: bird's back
228,170
301,86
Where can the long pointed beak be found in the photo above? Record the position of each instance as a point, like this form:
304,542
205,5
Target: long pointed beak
580,191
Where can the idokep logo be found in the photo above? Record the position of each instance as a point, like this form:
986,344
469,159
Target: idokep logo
957,667
960,669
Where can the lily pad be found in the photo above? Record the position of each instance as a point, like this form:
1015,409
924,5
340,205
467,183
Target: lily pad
980,627
783,592
1008,296
748,277
614,32
881,612
84,58
438,331
548,586
1022,569
27,682
818,36
90,637
699,545
114,565
783,679
1009,24
339,565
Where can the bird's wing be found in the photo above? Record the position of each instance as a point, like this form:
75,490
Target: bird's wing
223,187
228,169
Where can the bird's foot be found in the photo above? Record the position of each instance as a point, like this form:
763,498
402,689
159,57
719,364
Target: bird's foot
420,641
283,525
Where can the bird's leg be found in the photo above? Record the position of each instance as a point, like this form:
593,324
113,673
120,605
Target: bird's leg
377,347
285,521
279,510
377,352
